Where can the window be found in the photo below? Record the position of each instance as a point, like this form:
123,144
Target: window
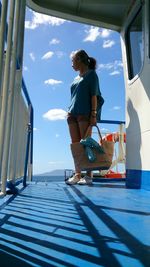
135,45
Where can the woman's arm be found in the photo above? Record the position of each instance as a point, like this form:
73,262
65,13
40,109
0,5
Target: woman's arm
93,110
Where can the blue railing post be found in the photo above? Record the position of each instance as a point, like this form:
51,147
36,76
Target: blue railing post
29,146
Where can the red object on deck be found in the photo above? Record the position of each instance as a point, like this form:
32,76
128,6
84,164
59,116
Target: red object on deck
114,137
112,174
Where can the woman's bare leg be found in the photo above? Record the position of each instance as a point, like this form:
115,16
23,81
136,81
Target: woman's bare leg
83,126
75,137
74,132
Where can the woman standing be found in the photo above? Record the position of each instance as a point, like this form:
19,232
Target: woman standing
86,103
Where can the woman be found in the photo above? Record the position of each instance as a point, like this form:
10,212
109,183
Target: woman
86,103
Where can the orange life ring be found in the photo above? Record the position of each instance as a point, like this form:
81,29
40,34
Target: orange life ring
114,137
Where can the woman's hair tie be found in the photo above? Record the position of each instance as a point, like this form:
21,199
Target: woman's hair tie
89,60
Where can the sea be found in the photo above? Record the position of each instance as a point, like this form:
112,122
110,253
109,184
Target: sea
47,179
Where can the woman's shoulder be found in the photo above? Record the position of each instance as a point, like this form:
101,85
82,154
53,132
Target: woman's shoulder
93,74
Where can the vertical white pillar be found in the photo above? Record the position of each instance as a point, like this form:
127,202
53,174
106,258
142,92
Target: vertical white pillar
6,87
3,24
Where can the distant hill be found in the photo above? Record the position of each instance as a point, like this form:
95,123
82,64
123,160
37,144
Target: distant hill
59,172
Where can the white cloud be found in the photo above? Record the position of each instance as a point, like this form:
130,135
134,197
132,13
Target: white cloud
25,68
55,114
35,129
115,72
30,25
55,162
73,53
95,32
52,82
32,56
114,68
57,135
48,55
54,41
105,130
41,19
52,162
60,54
108,43
116,108
92,34
106,66
105,33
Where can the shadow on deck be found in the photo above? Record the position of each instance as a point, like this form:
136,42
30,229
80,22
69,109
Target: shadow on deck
58,225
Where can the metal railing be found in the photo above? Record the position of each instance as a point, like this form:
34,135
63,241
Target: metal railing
16,111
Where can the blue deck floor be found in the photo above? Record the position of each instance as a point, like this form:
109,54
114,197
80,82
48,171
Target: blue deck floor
58,225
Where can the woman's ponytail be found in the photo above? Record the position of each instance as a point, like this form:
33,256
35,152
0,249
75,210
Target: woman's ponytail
92,63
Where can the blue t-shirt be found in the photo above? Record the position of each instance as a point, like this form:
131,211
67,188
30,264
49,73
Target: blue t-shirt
82,90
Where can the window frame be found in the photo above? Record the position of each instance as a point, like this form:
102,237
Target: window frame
148,19
131,76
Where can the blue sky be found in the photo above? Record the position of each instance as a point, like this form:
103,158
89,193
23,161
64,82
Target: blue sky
48,74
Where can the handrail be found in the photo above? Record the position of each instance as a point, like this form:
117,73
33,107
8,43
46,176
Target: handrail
24,88
112,122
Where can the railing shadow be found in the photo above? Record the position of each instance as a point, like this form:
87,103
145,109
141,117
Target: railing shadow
49,226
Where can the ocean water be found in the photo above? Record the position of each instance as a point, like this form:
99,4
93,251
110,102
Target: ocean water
47,179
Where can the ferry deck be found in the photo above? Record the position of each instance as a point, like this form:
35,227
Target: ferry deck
53,224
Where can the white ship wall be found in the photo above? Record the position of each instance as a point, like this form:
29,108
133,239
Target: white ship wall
138,111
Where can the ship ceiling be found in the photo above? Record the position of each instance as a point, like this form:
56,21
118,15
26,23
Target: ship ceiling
103,13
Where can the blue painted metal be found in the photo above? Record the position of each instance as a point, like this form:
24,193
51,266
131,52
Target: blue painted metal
30,133
24,88
31,147
27,154
58,225
138,179
112,122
